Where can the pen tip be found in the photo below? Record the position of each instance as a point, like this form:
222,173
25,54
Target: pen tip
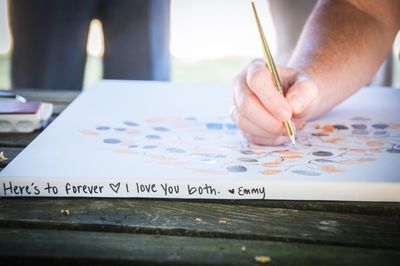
293,140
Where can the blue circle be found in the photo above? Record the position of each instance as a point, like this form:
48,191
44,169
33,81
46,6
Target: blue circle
214,125
248,160
247,152
103,128
359,132
132,124
324,161
112,141
176,150
380,126
306,172
236,168
162,129
133,146
380,133
153,136
149,147
360,118
359,126
119,129
231,126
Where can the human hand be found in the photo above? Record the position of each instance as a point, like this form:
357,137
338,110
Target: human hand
259,108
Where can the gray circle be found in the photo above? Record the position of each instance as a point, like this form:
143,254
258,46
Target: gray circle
306,172
112,141
236,169
322,153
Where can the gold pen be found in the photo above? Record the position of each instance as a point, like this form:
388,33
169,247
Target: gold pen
275,78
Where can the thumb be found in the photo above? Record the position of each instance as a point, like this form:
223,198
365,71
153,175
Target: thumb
302,97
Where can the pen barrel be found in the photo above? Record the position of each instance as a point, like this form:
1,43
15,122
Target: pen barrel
269,62
289,127
278,85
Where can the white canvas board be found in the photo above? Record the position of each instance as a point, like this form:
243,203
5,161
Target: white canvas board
165,140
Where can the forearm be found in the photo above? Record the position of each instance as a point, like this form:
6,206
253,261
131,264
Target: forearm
343,44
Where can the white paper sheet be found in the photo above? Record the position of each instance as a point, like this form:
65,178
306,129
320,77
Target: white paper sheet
153,139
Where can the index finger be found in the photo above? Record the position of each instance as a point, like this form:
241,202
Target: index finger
259,80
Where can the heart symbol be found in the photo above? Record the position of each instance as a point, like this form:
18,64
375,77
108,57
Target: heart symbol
115,187
232,191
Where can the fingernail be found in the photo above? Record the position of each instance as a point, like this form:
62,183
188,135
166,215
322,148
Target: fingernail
296,102
283,114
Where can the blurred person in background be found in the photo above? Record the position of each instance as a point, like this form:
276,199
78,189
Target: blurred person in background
50,38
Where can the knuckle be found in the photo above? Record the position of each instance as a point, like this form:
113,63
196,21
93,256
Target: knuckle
277,141
238,80
240,122
256,61
313,89
276,129
309,88
252,139
246,105
256,76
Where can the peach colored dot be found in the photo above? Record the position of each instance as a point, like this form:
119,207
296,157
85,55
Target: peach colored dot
133,131
89,132
358,151
375,143
154,120
349,162
332,140
328,128
271,164
271,172
286,152
367,159
125,151
394,126
332,169
293,157
375,150
127,142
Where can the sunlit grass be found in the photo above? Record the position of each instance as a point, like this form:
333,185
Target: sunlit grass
217,71
5,82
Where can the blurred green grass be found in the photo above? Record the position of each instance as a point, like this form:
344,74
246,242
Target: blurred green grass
5,82
218,71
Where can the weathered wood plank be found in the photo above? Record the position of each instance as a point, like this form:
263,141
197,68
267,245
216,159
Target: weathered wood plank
178,218
10,154
20,140
351,207
66,247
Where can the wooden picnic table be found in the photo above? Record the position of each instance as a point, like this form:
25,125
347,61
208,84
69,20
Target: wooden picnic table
189,232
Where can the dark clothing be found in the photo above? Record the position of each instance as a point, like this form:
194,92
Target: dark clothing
50,38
